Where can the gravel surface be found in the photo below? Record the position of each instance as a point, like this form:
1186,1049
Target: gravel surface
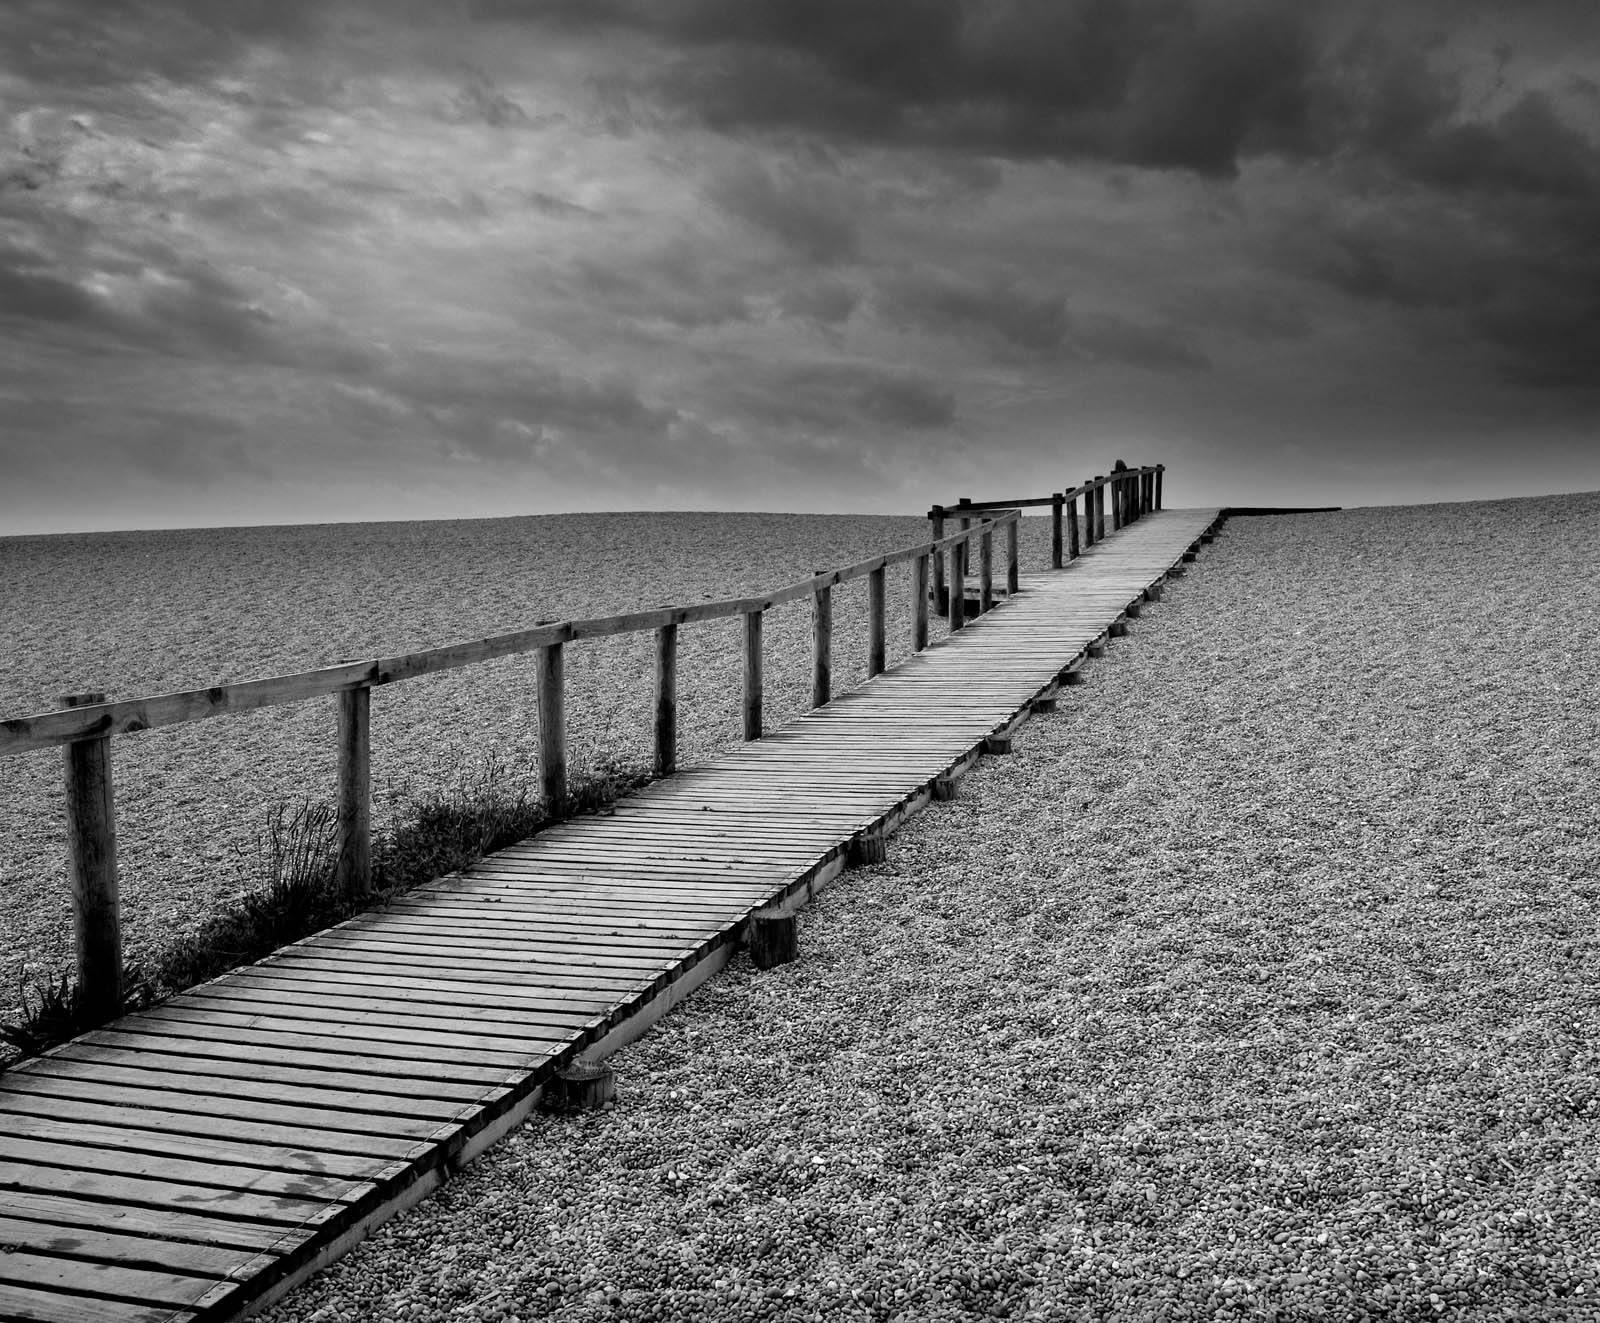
1258,983
145,613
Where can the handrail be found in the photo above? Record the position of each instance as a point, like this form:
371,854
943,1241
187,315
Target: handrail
1134,493
48,729
84,725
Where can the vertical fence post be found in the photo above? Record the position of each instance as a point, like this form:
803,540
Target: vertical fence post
965,548
985,569
919,599
1013,552
1056,500
92,865
1088,514
958,590
821,645
355,791
752,675
877,643
936,520
1160,469
1116,503
1073,550
666,699
1099,507
552,728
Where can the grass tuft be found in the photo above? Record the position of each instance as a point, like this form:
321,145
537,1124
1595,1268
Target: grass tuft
296,861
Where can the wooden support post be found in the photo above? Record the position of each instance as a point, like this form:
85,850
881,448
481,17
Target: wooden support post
666,700
985,569
584,1086
552,728
867,847
752,675
1160,469
1056,502
355,792
1000,743
1013,556
944,787
1073,550
877,641
1116,503
1098,647
964,547
821,646
772,937
1043,703
1073,677
92,868
1118,628
1099,508
1134,609
919,599
936,519
958,590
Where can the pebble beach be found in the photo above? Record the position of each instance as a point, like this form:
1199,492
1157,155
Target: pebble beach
1258,982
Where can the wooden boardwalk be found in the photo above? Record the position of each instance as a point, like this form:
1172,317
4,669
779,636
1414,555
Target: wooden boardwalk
194,1160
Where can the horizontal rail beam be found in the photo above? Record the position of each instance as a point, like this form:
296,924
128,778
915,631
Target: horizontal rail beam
46,730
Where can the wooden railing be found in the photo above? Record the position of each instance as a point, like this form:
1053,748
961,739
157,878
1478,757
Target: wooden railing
1129,493
86,723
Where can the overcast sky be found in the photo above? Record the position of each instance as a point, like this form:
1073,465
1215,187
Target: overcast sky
280,260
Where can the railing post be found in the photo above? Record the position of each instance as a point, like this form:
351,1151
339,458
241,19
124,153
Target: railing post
877,643
965,547
1013,554
666,700
936,520
1073,550
1160,469
355,791
92,866
958,590
821,645
985,569
752,675
1056,501
1116,502
552,728
919,599
1099,507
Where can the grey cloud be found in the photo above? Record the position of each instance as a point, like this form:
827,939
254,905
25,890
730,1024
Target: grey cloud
679,283
946,303
828,302
812,215
1158,348
840,396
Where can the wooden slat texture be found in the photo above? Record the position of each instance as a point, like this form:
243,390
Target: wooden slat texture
185,1162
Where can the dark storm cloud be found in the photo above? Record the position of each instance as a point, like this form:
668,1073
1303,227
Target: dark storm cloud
81,46
843,397
816,218
998,308
1152,82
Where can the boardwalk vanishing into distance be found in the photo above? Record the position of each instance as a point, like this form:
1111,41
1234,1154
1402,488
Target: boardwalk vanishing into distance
195,1160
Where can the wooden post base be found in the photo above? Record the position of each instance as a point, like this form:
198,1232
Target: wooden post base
1074,677
1044,703
1208,537
1119,629
581,1087
1135,610
1177,571
944,788
773,937
997,743
1098,648
1188,558
1153,593
867,847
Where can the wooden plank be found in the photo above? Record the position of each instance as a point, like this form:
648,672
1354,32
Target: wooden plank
75,1244
27,1304
78,1277
160,1223
298,1174
233,1208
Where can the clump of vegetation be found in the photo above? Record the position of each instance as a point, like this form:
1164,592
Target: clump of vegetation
296,858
